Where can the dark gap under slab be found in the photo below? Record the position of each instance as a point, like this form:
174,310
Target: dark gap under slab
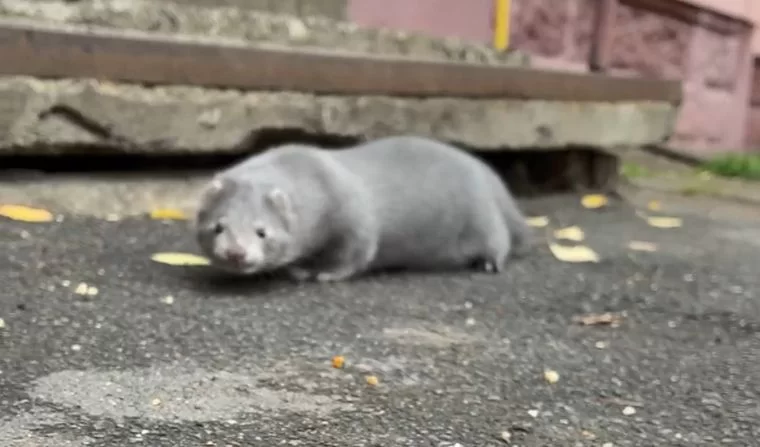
528,173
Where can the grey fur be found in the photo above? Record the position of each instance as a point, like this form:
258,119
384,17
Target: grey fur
397,202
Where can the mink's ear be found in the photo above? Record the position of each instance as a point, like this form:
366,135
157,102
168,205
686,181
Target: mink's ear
280,201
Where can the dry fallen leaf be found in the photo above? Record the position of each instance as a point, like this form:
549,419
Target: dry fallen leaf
537,221
593,201
642,246
168,214
372,380
26,214
576,254
598,319
551,376
573,233
175,258
338,361
664,222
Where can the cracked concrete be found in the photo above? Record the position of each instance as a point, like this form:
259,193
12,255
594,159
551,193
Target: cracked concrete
64,116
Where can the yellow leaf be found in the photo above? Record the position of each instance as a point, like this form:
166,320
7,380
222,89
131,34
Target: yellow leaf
664,222
576,254
173,258
538,221
642,246
654,205
338,361
573,233
168,214
25,214
593,201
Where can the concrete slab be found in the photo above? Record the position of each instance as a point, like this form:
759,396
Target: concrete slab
65,116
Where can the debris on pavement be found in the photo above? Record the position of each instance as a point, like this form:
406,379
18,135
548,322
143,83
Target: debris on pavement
629,411
372,380
26,214
573,254
180,259
338,361
642,246
538,221
86,290
608,318
168,214
551,376
594,201
573,233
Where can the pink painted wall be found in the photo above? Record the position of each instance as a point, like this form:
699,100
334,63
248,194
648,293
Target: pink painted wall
466,19
715,66
746,9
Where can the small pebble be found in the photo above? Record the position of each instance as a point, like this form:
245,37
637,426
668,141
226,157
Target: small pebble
155,402
506,436
372,380
81,289
469,322
2,323
533,413
76,348
629,411
92,291
65,283
601,344
168,300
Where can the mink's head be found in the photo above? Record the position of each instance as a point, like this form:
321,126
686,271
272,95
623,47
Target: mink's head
243,226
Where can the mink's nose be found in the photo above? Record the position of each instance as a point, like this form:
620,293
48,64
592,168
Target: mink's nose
236,255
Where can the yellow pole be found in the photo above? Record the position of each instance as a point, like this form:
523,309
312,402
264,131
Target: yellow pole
501,24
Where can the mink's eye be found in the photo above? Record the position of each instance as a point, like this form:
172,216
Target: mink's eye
218,228
261,232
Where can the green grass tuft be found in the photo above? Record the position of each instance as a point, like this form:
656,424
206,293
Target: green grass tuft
745,166
633,170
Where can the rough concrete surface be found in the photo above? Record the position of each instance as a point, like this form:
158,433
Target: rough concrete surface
460,358
58,116
256,26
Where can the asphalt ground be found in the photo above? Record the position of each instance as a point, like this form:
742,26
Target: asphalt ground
181,356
